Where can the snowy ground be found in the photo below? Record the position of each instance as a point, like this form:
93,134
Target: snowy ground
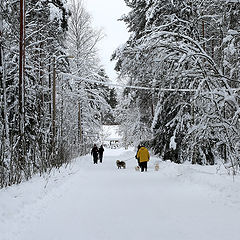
100,202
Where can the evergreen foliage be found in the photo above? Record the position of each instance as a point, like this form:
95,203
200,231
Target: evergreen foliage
59,108
184,45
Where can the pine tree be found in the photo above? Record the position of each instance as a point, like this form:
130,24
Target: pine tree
44,35
176,46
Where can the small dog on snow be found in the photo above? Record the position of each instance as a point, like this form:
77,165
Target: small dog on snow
120,164
137,168
156,167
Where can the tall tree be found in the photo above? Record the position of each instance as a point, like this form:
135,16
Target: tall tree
176,46
44,33
88,98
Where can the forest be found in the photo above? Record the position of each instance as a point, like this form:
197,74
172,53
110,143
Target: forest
51,107
184,58
180,67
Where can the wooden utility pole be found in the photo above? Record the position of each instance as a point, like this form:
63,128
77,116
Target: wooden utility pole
21,65
21,84
1,47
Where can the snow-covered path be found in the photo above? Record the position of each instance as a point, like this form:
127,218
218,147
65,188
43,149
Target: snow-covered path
93,202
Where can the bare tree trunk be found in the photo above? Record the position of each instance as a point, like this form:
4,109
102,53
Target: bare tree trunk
212,48
54,104
41,75
203,35
80,137
3,83
50,86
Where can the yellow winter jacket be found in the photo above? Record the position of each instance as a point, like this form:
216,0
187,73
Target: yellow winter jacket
143,155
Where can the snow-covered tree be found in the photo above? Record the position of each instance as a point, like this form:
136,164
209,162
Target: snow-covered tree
89,97
176,46
23,154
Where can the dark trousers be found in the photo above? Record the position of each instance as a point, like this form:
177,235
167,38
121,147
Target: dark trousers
95,158
143,166
100,157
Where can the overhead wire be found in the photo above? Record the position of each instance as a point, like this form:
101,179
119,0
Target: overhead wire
135,87
127,86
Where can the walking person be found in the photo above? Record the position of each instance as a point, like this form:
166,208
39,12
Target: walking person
139,146
143,156
94,153
100,152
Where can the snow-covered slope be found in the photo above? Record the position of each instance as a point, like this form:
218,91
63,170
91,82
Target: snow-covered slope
91,202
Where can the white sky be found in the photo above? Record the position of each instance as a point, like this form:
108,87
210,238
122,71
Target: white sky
105,14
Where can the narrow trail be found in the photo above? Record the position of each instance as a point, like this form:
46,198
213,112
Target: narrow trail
96,202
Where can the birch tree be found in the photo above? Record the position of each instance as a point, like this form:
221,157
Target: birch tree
89,99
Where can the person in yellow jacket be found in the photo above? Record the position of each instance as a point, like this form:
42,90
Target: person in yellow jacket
143,157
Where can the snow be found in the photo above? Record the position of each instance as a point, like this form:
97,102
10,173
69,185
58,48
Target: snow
173,144
110,133
90,202
55,12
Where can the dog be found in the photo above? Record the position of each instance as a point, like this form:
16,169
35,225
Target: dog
121,164
156,167
137,168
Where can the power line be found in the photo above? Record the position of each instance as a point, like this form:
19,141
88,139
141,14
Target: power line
138,87
128,86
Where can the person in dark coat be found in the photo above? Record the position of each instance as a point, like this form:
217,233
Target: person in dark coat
139,146
100,152
94,153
